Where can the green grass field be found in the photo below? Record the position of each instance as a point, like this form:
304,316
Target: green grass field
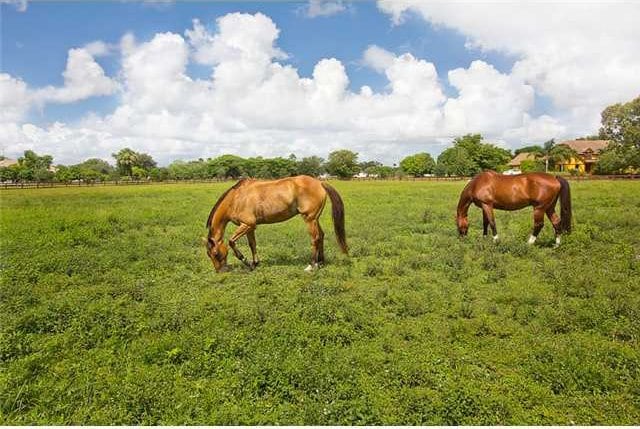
110,312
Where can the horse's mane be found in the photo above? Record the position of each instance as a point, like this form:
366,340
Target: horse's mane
215,206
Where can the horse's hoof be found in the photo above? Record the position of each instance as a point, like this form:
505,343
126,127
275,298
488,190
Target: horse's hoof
496,238
311,268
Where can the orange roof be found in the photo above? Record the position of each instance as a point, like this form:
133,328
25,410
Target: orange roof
522,156
581,146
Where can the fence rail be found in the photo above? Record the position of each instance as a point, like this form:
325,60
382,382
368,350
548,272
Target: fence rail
39,185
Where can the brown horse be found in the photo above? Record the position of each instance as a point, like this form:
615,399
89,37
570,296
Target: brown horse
489,190
252,202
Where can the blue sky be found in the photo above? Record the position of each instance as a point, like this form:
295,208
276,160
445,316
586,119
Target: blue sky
509,83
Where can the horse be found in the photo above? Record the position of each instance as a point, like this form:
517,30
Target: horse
252,202
489,190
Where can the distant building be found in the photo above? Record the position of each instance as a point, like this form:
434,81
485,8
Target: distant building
8,162
515,163
588,151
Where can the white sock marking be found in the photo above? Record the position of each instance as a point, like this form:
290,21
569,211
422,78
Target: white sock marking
495,238
557,241
532,239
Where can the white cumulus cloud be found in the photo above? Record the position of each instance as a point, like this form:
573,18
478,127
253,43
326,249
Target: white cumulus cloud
583,56
83,78
253,103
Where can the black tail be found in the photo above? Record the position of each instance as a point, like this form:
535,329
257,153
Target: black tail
337,210
565,205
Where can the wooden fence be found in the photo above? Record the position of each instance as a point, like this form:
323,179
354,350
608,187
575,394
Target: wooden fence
81,184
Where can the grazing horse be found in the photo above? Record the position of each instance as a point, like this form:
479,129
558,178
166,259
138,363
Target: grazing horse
252,202
489,190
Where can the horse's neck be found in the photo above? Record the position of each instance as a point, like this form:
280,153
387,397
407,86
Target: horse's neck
219,221
464,203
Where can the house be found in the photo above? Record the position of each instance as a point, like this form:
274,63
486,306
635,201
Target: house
588,151
8,162
514,164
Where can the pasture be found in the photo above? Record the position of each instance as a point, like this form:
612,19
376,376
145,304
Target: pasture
110,312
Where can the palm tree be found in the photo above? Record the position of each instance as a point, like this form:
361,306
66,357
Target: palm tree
126,159
552,152
560,153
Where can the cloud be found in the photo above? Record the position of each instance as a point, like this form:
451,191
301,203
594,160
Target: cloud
377,58
83,78
20,5
253,103
324,8
241,38
488,100
14,98
581,55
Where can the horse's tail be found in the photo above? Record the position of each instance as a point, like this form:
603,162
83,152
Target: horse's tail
565,205
337,210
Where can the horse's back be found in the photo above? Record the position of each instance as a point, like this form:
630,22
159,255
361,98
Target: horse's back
270,201
509,192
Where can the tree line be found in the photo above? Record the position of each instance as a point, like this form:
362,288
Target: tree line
468,155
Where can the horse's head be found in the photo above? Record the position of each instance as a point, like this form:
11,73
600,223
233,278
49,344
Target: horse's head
463,225
217,252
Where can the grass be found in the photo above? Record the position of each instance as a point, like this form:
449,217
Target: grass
110,312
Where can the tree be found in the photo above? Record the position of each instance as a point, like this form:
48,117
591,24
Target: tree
33,161
188,170
550,153
159,173
32,166
620,125
311,166
226,166
126,159
90,170
9,173
612,161
469,155
138,173
485,156
535,149
342,163
456,161
531,165
558,154
145,161
418,164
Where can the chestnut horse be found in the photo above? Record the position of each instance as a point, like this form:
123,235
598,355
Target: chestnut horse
489,190
252,202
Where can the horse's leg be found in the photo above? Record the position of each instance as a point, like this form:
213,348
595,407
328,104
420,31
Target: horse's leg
239,232
538,223
485,224
487,212
317,237
251,236
555,221
320,244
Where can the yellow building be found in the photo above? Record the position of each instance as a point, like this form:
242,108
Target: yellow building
588,151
